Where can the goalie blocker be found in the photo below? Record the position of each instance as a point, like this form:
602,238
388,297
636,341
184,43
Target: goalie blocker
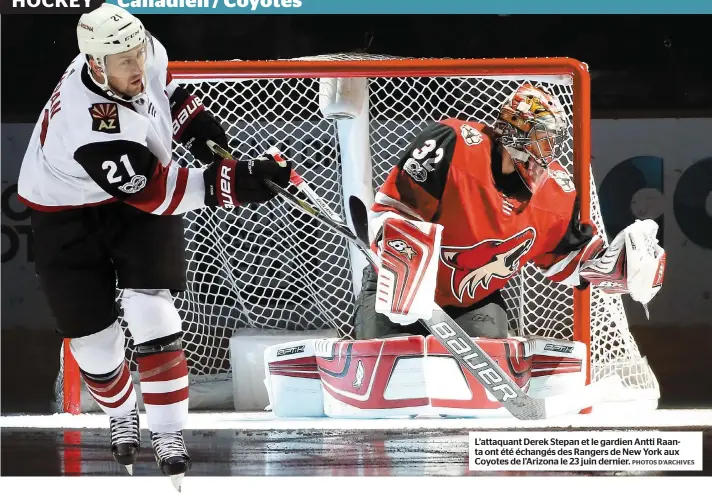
411,375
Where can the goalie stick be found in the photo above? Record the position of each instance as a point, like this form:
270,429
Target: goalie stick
461,346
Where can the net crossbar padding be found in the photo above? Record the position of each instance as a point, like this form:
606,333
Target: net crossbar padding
269,269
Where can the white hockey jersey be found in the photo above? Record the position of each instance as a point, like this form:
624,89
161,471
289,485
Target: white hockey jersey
89,149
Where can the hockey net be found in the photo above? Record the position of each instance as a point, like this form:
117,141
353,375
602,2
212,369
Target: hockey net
268,269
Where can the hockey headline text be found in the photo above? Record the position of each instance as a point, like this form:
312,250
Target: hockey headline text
52,3
76,7
586,451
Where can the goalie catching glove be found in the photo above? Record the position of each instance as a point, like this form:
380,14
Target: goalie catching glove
230,183
634,263
409,254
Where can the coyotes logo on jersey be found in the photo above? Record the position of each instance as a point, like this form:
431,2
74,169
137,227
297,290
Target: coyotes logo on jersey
476,265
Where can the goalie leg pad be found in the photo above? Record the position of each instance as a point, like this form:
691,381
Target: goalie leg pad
406,376
103,367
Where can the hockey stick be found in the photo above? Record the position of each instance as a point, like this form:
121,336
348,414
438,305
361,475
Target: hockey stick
461,346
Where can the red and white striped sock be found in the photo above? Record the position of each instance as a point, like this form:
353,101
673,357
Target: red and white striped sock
115,396
164,386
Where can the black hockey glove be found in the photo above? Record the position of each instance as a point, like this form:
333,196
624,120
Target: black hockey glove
193,125
230,183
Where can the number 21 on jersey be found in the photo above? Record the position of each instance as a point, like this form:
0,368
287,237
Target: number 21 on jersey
136,182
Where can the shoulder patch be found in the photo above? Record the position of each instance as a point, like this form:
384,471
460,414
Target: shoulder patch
105,118
563,179
470,135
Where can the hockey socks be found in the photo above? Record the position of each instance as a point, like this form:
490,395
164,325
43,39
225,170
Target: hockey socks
113,392
164,386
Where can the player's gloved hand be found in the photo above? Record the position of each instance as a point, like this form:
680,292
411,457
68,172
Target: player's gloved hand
193,125
230,183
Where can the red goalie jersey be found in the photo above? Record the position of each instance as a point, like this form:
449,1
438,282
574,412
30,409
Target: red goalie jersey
451,175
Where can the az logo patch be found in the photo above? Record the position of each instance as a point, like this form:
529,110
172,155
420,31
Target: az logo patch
105,118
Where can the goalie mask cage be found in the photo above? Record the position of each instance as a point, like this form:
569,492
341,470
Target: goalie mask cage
268,269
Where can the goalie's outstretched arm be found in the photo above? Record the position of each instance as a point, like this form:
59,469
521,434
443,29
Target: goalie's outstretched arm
633,263
578,243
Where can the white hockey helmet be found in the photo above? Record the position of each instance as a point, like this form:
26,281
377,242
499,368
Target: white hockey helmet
109,30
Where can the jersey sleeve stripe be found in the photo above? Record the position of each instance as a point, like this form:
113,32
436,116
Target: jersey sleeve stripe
171,179
178,191
164,192
152,197
171,84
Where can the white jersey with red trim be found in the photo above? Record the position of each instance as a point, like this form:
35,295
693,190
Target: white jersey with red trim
89,148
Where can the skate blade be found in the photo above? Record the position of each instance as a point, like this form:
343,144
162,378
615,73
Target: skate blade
129,468
177,480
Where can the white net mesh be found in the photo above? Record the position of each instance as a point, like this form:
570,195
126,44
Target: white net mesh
270,269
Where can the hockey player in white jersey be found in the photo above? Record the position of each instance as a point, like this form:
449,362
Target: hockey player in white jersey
106,202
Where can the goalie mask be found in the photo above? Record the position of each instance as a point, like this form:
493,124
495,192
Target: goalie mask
111,30
533,127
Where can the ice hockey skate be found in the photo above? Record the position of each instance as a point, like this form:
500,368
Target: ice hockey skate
126,439
171,456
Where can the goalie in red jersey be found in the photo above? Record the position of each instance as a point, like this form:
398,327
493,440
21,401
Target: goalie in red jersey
468,205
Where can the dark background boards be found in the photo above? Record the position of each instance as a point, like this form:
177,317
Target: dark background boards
641,64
